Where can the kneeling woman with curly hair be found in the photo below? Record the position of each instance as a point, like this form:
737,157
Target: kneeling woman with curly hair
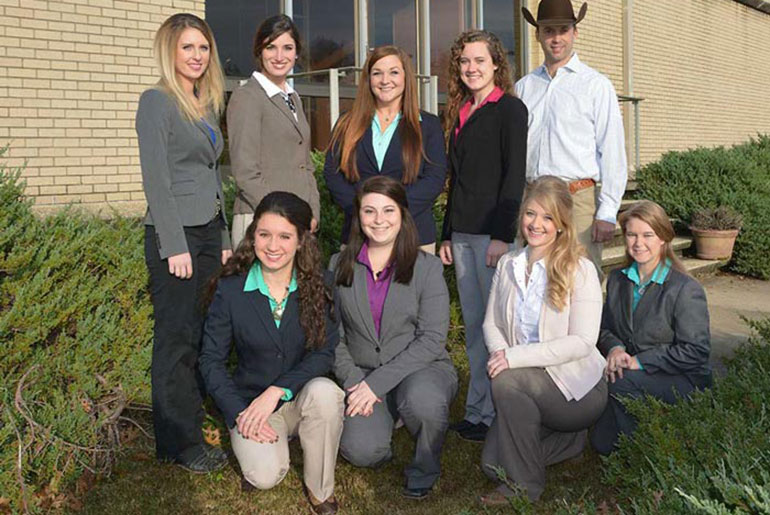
273,302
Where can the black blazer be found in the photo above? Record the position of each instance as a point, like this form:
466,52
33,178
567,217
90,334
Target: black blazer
668,332
421,194
267,355
487,171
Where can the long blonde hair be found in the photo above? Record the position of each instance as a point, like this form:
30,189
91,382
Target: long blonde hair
561,262
210,88
457,90
353,124
655,216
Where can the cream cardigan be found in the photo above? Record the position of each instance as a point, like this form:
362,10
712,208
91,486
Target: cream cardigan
567,348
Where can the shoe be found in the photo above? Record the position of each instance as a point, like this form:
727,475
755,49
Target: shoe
415,493
196,459
475,433
327,507
495,498
215,452
247,487
463,425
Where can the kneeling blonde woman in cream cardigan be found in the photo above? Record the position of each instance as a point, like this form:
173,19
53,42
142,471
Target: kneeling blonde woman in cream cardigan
541,327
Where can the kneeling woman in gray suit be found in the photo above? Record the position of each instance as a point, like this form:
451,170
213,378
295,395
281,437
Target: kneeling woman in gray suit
392,359
274,303
541,327
655,325
185,236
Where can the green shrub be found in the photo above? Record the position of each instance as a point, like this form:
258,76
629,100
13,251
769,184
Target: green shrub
685,182
76,319
709,453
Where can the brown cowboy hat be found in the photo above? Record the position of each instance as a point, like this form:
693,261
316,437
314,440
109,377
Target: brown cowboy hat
555,12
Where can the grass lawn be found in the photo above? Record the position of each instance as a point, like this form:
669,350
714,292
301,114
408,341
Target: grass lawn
141,485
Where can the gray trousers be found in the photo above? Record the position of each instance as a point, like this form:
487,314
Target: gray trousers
634,384
474,279
536,426
422,401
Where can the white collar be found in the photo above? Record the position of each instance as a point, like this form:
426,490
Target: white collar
269,86
574,65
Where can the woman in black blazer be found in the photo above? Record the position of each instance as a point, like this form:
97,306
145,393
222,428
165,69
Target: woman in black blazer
487,133
273,302
393,361
386,134
185,237
655,324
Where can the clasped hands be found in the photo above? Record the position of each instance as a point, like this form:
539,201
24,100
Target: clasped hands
252,422
361,400
617,360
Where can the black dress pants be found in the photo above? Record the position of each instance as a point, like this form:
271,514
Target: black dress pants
177,387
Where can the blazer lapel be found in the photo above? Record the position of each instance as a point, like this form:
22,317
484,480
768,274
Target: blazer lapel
366,143
262,309
393,151
396,292
201,125
650,298
303,124
362,300
626,290
279,102
290,314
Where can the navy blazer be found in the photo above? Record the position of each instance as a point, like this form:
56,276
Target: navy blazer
669,330
267,355
420,194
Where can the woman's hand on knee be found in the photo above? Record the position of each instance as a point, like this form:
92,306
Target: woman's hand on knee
265,435
251,420
497,363
361,400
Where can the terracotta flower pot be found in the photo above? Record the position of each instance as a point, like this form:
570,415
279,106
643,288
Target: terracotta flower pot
712,244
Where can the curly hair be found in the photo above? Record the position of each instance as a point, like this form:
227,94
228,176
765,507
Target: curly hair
554,197
314,295
457,91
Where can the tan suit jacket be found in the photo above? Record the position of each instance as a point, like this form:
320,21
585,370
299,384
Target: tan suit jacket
567,348
269,149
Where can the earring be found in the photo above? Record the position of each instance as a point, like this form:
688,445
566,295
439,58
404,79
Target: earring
558,231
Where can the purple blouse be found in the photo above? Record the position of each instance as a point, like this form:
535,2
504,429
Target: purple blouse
377,288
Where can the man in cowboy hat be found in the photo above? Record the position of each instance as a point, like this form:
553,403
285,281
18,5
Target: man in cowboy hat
575,127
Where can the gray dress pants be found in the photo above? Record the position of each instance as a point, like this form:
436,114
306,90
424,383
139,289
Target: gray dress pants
422,401
536,426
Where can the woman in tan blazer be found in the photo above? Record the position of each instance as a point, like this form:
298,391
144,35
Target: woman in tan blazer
541,327
269,136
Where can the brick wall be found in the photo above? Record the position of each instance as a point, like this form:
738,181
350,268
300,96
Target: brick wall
71,72
702,67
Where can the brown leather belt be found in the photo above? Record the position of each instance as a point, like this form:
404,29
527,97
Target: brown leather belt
580,184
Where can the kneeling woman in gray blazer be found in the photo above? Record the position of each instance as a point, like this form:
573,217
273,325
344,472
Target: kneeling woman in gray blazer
392,359
541,327
274,303
655,325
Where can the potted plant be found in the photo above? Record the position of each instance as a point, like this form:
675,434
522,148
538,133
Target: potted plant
714,231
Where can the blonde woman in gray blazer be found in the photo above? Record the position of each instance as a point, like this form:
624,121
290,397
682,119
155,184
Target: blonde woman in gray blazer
392,360
186,238
268,133
541,327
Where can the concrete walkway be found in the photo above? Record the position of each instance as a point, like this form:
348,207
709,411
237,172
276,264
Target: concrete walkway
729,297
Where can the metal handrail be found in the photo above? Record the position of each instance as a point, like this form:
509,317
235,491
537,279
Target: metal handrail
635,102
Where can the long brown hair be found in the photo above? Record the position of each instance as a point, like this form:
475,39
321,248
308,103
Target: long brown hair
314,295
655,216
352,126
561,262
457,91
405,248
209,88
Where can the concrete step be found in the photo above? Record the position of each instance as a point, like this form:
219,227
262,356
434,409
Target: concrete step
614,256
699,267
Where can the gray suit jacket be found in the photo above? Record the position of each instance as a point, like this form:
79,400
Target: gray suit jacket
668,332
269,149
180,173
413,331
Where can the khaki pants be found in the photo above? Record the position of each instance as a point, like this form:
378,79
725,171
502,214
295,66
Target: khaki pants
316,417
238,231
583,212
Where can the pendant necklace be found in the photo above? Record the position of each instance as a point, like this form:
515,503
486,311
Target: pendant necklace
279,306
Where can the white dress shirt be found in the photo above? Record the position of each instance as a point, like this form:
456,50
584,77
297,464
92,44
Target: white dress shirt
529,297
576,130
272,90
